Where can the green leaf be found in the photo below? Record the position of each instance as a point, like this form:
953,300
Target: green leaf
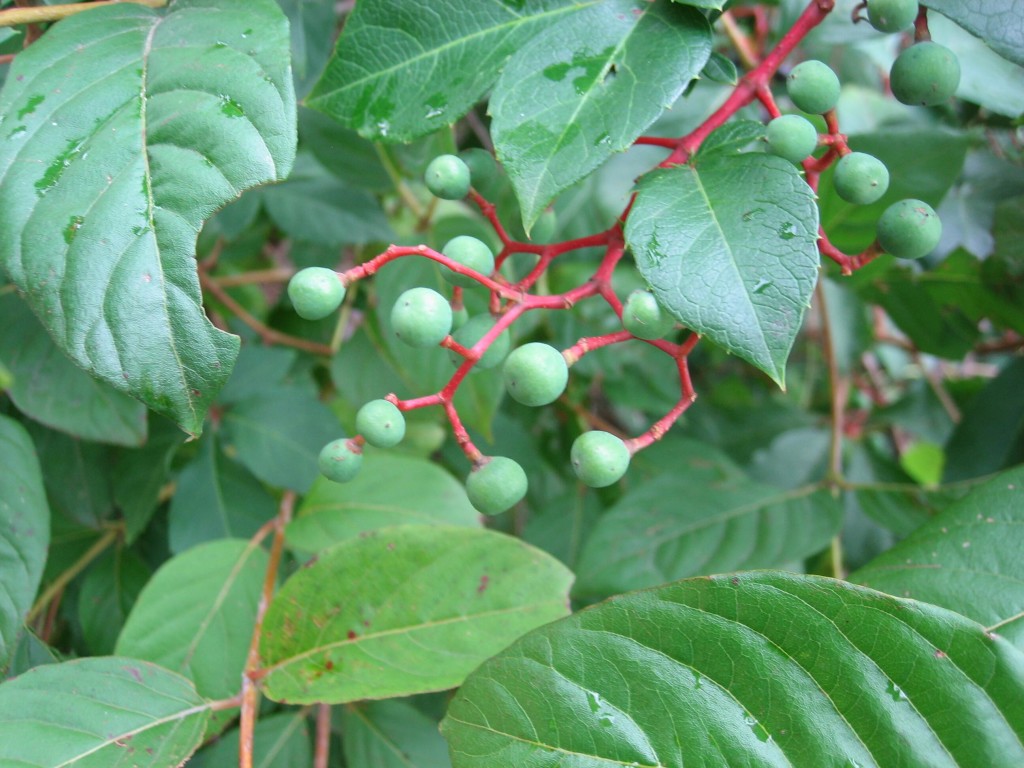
732,137
729,246
687,524
76,475
998,22
587,87
216,498
108,592
763,669
967,559
312,205
312,24
140,474
127,127
280,741
100,712
402,70
28,652
404,610
389,490
24,532
196,615
391,734
52,390
278,433
720,69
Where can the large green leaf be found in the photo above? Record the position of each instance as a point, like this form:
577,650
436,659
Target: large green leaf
404,610
125,128
391,734
280,741
999,23
967,559
402,70
389,490
108,592
196,615
681,524
729,247
24,531
52,390
586,87
100,713
216,498
761,669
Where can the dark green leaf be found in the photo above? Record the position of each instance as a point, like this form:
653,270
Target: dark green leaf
425,493
681,524
342,151
140,475
720,69
729,246
587,87
52,390
312,24
763,669
216,498
280,741
77,477
400,611
998,22
108,592
967,559
402,70
196,614
100,712
732,137
126,127
29,652
278,435
24,532
391,734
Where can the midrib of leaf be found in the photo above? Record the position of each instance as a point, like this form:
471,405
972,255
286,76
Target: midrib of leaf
433,52
282,739
732,259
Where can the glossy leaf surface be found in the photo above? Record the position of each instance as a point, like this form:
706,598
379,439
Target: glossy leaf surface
764,669
966,559
586,87
397,612
729,247
391,734
998,22
100,713
124,129
24,531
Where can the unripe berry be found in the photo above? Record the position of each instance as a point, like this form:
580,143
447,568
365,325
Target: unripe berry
470,252
421,317
381,423
925,74
644,317
535,374
891,15
813,87
599,458
496,484
860,178
475,329
315,292
791,137
909,229
340,460
447,177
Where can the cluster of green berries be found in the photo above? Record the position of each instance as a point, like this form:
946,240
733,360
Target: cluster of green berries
924,74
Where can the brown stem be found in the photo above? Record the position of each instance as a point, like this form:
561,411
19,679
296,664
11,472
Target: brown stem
322,753
45,13
739,40
258,276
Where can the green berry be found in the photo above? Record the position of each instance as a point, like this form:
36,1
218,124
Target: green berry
469,252
535,374
925,74
860,178
475,329
340,460
791,137
599,458
315,292
381,423
447,177
813,87
909,229
421,317
496,484
891,15
644,317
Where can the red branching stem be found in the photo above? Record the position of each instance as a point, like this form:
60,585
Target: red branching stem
657,141
250,693
764,95
588,344
490,212
755,80
921,31
473,453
